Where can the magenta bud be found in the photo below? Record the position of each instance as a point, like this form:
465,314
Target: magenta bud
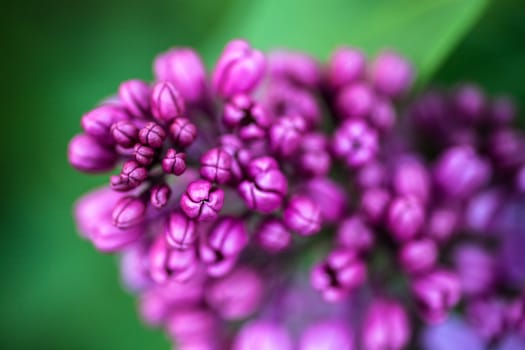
133,268
339,274
180,231
355,235
286,134
411,177
201,201
482,210
86,154
406,216
185,70
502,111
436,293
152,135
129,211
174,163
371,175
216,165
327,335
386,326
160,195
194,325
488,317
356,143
418,256
273,236
125,133
469,103
236,295
131,176
238,70
134,95
355,101
183,132
247,115
302,215
143,154
392,74
383,116
374,204
347,65
98,122
166,263
295,67
330,196
262,335
476,269
315,159
166,102
442,224
223,244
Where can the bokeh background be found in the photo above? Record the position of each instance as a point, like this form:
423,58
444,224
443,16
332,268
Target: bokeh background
59,58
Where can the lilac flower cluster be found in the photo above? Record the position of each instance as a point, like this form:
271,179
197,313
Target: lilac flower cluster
227,185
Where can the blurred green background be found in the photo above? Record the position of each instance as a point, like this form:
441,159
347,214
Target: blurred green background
60,57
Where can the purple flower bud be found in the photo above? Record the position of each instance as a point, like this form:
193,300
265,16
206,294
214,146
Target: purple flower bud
482,210
374,204
410,177
166,263
442,223
502,111
406,217
262,335
180,231
273,236
519,182
201,201
236,295
131,176
223,244
476,269
97,122
295,67
505,146
160,195
251,118
134,95
338,275
129,211
460,172
153,308
327,335
487,317
286,134
185,70
315,159
453,334
183,132
266,187
355,101
193,326
386,326
174,163
469,103
391,74
354,234
152,135
302,215
239,69
418,256
347,65
216,165
134,269
330,196
372,174
383,116
166,102
436,293
86,154
125,133
144,154
355,142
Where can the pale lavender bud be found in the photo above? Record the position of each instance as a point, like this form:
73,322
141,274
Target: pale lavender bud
174,163
262,335
392,74
386,326
327,335
315,159
201,201
185,70
453,334
166,263
383,115
476,269
129,211
180,231
131,176
160,195
372,174
238,70
134,95
250,117
347,65
355,142
236,295
338,275
354,234
134,268
406,217
469,103
97,122
286,134
183,132
355,101
144,154
374,204
125,133
216,165
442,224
418,256
273,236
152,135
436,293
411,177
482,210
166,102
487,317
295,67
330,196
223,244
86,154
302,215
